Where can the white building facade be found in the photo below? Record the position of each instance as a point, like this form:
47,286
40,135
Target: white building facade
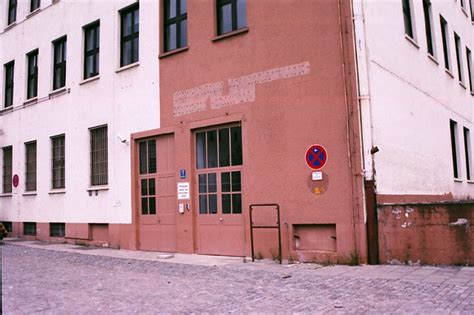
416,97
85,76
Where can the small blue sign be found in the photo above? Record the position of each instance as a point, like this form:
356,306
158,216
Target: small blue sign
182,174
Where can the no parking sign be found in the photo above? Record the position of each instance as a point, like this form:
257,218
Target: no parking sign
316,157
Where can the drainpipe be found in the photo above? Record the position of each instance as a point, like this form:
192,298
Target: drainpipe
363,90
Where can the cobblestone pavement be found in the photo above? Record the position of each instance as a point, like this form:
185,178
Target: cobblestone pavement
40,280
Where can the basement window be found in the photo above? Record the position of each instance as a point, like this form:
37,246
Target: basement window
57,229
29,228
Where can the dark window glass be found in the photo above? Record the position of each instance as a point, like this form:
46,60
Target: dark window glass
202,204
7,170
34,4
444,36
231,15
99,156
212,203
457,43
58,162
147,157
30,166
201,150
142,157
235,181
212,148
29,228
148,196
471,4
226,204
59,72
236,203
9,80
469,69
91,50
453,129
175,24
12,11
225,182
32,84
144,186
407,18
202,183
57,229
467,151
152,203
129,35
428,26
144,205
236,145
224,153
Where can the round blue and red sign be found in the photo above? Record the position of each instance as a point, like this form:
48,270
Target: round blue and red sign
316,156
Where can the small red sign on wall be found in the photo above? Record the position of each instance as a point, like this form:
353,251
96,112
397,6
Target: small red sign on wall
15,180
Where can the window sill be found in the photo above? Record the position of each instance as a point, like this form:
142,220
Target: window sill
6,110
463,9
130,66
9,27
91,79
458,180
57,191
173,52
96,188
230,34
433,58
31,101
33,13
6,195
59,92
449,73
411,40
29,193
462,84
470,182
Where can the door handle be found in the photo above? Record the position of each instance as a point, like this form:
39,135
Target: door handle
220,219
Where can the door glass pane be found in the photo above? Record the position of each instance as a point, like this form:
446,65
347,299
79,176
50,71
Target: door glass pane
224,158
226,204
212,148
236,181
225,182
151,187
152,205
144,205
213,204
144,187
202,204
201,150
236,203
236,142
212,182
142,157
152,156
202,183
241,13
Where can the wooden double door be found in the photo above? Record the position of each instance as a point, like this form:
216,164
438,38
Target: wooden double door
157,194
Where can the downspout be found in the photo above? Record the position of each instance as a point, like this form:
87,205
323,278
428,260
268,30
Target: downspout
363,90
366,131
351,111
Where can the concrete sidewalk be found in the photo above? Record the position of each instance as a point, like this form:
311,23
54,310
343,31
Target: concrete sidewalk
422,274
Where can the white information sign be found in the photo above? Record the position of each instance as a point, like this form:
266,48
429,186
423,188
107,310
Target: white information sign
317,175
183,191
